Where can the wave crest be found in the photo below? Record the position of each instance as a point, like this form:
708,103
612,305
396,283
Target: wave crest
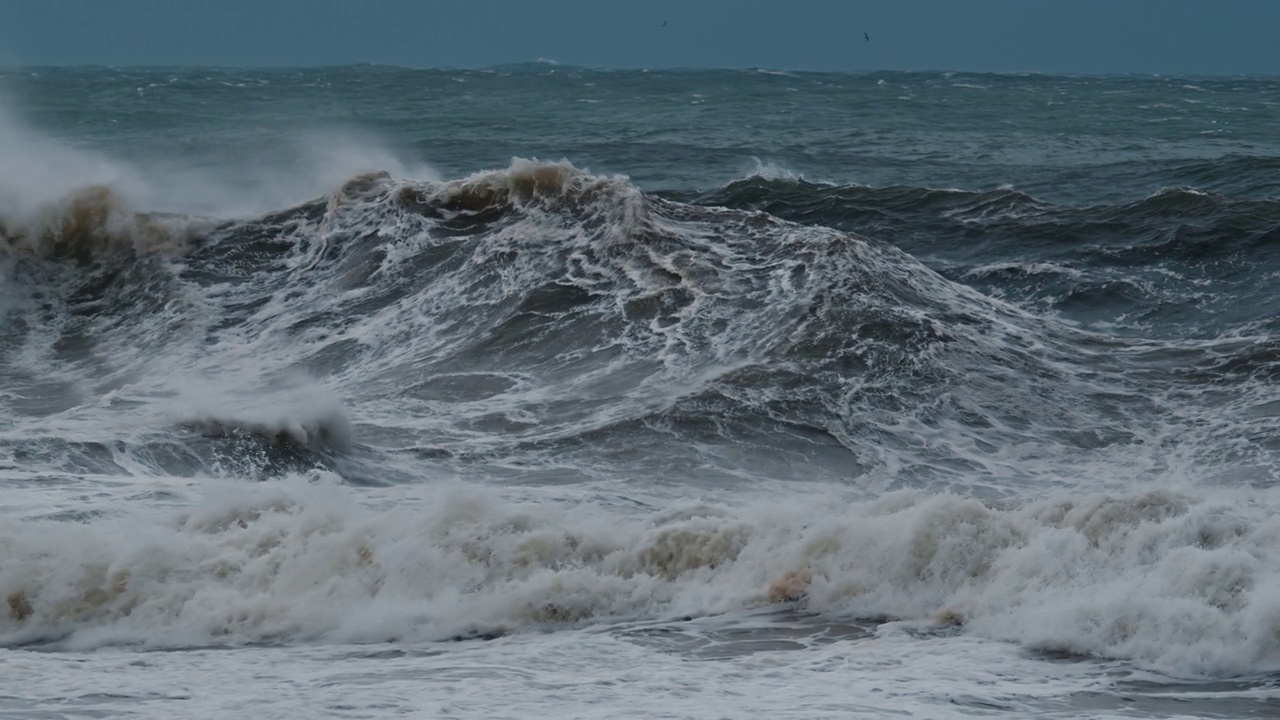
525,182
92,221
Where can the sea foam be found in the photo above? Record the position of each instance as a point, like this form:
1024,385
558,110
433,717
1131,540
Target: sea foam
1184,583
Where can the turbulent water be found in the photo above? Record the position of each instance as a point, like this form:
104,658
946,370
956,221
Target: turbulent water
552,391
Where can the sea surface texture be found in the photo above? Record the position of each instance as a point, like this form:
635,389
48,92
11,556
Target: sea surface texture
543,391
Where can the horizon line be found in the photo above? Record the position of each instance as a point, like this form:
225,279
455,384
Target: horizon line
543,62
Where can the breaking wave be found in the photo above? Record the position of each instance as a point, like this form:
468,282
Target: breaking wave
1182,582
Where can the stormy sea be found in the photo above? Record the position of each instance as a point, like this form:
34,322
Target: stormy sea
544,391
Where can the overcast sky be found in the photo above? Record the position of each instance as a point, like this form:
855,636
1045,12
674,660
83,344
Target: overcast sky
1072,36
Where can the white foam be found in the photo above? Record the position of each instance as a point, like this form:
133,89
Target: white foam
1182,583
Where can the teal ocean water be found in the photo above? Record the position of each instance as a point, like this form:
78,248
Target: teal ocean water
371,391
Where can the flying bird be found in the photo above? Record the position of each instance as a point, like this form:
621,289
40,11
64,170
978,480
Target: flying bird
865,35
664,23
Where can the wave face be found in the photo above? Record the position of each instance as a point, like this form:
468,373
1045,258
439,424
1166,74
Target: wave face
368,404
540,315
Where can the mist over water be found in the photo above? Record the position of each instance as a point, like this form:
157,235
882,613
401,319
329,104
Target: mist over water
734,370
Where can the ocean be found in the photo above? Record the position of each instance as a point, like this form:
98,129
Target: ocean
545,391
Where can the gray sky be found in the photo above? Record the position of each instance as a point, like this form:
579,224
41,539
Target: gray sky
1072,36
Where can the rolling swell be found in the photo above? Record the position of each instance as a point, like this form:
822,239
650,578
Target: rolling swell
1150,266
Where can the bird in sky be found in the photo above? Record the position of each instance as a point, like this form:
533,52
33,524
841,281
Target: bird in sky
864,34
664,23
